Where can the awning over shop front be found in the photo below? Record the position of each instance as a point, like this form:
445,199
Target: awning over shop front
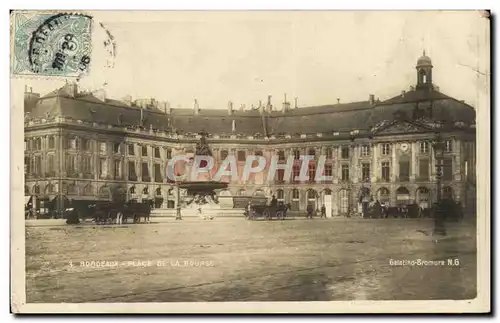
28,200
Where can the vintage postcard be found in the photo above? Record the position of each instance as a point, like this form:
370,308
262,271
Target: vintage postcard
250,161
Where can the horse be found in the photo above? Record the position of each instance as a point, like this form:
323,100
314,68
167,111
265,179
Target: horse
281,211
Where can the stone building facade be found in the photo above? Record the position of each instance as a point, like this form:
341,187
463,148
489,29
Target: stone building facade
86,146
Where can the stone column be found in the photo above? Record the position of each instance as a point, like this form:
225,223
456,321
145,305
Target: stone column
394,166
413,172
375,166
432,171
457,165
354,164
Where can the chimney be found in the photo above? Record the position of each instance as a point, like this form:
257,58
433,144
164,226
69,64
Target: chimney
285,105
269,106
403,93
196,107
233,126
296,103
142,116
167,107
71,89
100,94
261,107
372,99
230,108
338,100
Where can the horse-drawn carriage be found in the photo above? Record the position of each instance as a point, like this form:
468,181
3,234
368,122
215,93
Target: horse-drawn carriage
260,208
104,212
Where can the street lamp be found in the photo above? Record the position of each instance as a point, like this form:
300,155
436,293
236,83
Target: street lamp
438,147
178,215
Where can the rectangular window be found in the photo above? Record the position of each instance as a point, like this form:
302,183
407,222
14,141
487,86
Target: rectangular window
365,150
295,173
72,143
223,154
144,151
345,173
386,172
241,155
157,152
329,153
102,147
447,169
131,150
50,164
52,143
158,178
424,147
27,166
404,171
312,172
281,176
258,153
145,173
328,170
423,169
38,165
38,144
86,144
70,164
344,153
365,172
386,149
86,168
103,168
281,155
296,154
448,146
132,175
117,169
116,148
169,153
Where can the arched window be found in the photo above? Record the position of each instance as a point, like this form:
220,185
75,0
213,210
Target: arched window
402,196
158,191
295,199
280,195
383,195
422,197
312,152
36,189
132,190
225,193
344,201
259,192
242,192
145,191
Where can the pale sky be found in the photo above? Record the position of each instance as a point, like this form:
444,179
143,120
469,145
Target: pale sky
317,56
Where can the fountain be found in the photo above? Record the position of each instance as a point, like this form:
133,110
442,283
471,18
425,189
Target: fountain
200,197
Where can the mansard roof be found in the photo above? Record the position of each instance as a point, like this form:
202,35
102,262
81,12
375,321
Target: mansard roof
361,115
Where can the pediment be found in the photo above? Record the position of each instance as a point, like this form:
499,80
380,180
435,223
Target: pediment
398,127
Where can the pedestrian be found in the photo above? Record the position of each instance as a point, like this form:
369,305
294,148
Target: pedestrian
323,211
310,211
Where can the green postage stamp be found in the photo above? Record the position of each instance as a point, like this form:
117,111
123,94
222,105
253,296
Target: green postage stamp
51,44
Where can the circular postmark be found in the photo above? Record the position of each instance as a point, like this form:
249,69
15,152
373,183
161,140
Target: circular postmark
61,45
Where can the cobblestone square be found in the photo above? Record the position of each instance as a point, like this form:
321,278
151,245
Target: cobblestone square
236,260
